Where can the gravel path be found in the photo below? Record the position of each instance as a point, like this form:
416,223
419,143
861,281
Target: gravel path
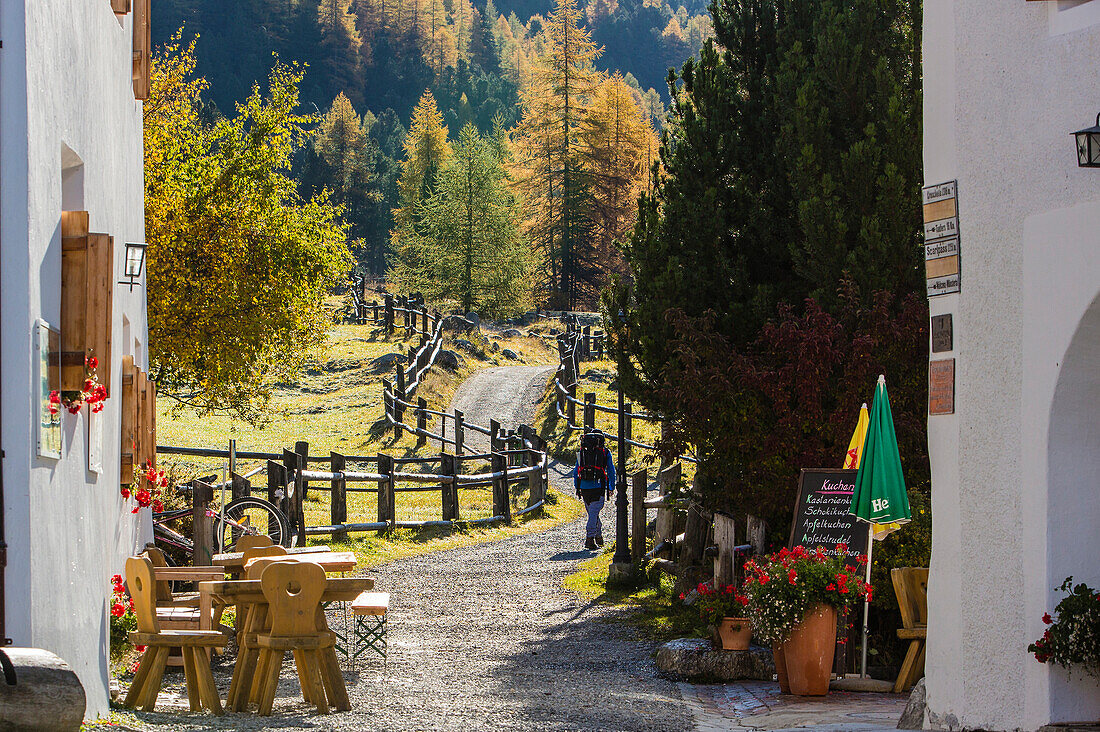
485,637
507,394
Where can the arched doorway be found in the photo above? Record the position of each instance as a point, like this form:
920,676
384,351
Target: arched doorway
1073,498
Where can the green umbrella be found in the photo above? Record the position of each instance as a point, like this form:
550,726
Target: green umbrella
880,496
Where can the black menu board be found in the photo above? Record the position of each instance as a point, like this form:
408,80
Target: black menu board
821,515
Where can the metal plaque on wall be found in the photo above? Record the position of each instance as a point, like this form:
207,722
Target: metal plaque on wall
941,386
942,338
941,238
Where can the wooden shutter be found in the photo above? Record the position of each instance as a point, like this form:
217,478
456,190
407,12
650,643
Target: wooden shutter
121,7
139,420
143,46
87,284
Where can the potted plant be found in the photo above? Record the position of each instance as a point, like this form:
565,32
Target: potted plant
793,597
1073,639
723,607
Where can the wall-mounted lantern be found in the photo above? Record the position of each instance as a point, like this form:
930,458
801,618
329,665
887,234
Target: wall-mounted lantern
135,260
1088,146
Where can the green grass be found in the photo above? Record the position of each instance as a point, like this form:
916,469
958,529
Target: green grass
656,613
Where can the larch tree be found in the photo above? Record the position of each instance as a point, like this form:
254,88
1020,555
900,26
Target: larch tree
341,45
238,262
467,233
551,172
618,144
426,150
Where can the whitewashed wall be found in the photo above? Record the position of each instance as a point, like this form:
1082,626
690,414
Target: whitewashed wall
65,99
1016,469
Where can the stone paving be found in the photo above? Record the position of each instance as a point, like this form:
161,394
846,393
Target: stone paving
758,705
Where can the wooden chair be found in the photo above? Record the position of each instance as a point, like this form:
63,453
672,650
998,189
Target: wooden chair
250,541
911,588
145,688
293,592
181,610
255,619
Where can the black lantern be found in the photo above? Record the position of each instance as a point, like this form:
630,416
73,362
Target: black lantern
1088,146
135,260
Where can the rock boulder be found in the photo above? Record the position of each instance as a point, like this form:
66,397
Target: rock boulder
695,658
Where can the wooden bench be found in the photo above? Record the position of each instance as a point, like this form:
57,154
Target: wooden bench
911,588
369,611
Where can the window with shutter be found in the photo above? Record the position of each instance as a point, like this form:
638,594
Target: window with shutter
87,283
139,420
143,46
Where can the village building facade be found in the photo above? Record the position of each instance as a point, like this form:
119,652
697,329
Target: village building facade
1014,424
72,76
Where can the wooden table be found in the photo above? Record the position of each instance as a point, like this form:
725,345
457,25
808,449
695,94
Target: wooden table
241,592
234,561
330,561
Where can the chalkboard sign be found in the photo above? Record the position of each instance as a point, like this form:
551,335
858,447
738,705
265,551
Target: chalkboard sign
821,515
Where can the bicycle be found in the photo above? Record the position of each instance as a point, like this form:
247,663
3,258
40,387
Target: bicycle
243,516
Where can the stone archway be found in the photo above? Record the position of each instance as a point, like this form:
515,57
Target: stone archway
1073,497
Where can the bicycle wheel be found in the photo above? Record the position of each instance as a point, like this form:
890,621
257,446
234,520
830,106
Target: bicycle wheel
252,516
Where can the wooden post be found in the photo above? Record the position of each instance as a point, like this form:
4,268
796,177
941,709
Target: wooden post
696,531
398,408
374,311
427,330
628,425
293,461
338,490
598,340
302,448
536,485
571,405
232,456
385,489
502,506
203,531
590,412
449,491
494,436
387,315
637,526
460,432
725,538
586,341
755,531
276,485
239,486
666,519
421,421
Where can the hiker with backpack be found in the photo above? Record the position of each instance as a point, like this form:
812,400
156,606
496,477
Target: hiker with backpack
593,479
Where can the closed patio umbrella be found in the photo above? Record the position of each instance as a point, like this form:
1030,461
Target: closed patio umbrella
880,497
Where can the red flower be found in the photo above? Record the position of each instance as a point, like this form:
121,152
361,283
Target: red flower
742,599
862,559
92,362
139,649
125,492
764,579
830,587
682,596
158,506
1047,619
118,610
701,588
842,548
792,576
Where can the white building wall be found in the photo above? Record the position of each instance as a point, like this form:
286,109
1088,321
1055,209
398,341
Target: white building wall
65,92
1006,82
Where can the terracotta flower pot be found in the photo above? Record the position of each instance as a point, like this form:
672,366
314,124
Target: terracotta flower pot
808,653
735,633
781,668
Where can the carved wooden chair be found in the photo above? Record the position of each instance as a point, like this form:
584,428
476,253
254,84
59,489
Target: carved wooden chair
143,692
911,588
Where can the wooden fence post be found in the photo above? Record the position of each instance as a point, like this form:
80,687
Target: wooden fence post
449,491
276,485
666,515
638,523
571,405
295,462
725,538
232,456
755,531
424,313
386,501
598,342
239,486
338,488
628,426
460,432
586,348
536,485
421,421
203,532
302,448
590,412
398,397
387,315
502,505
374,311
494,436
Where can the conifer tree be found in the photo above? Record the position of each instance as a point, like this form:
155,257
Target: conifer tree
551,173
466,243
426,149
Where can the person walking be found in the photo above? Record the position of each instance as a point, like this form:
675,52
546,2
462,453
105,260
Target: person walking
593,479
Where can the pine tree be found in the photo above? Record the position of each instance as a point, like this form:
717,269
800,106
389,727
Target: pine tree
340,46
551,172
467,243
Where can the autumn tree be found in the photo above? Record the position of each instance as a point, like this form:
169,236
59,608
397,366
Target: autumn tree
238,261
426,149
467,236
551,174
618,146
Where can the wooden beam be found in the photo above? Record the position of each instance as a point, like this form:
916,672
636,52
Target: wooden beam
143,47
